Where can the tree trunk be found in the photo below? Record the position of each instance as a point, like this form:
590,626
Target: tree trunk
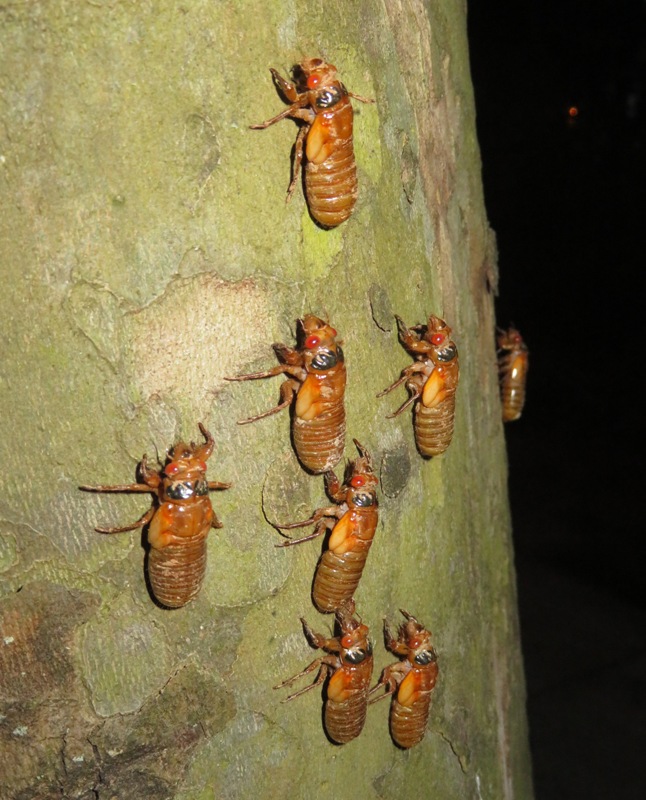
148,253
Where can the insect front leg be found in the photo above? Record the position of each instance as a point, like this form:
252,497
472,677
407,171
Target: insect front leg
290,356
325,668
333,487
205,450
285,87
394,385
329,511
390,678
393,644
287,112
309,668
408,616
410,340
418,366
294,111
504,363
404,406
415,385
121,487
144,520
332,645
360,98
279,369
288,391
363,453
299,149
320,529
217,485
151,476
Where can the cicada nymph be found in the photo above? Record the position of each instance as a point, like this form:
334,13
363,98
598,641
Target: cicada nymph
316,378
353,520
432,381
410,681
349,666
322,103
513,363
178,521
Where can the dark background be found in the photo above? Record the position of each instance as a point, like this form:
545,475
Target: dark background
566,197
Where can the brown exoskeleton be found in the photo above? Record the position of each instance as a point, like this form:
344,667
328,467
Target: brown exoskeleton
349,665
316,377
323,104
180,519
410,681
432,381
353,521
513,363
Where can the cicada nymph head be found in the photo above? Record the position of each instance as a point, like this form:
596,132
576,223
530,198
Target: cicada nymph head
354,641
184,474
438,335
317,340
317,77
360,480
417,639
511,339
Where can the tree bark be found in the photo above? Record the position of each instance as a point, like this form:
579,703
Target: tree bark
149,253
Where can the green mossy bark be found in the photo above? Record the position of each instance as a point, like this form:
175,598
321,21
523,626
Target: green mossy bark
147,253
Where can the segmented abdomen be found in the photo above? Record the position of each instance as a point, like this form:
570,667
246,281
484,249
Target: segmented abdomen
344,721
176,572
337,577
513,400
331,187
513,388
408,723
434,426
320,442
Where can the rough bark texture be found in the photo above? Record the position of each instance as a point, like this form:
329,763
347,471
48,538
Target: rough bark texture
147,253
